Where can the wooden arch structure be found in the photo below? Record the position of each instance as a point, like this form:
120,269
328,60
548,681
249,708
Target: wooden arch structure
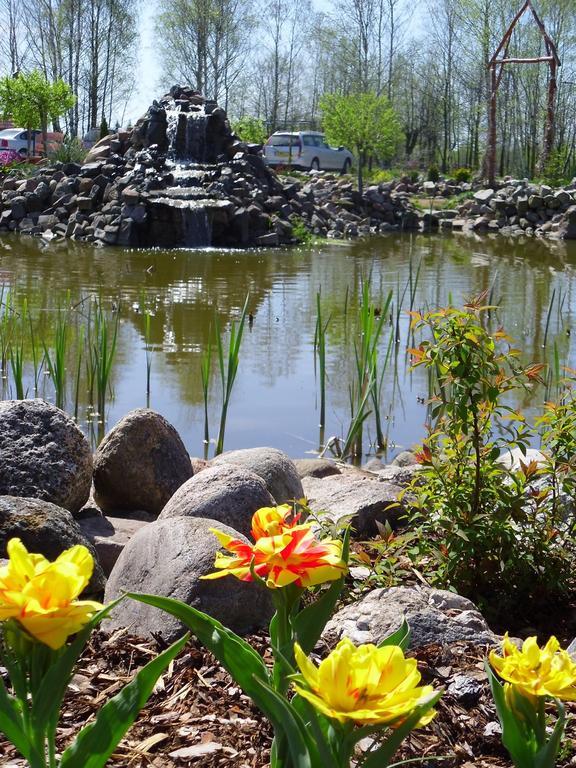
496,66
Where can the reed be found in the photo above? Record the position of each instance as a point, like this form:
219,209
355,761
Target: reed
228,367
548,316
205,372
17,355
55,358
105,335
367,385
78,373
320,354
148,348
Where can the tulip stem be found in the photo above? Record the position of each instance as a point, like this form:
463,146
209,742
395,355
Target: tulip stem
283,642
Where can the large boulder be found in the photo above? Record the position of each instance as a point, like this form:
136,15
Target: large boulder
316,468
140,464
273,466
43,454
434,616
45,529
355,498
109,535
168,557
228,494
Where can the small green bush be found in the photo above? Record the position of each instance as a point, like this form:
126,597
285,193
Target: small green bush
300,231
462,175
70,151
250,129
485,530
104,130
433,174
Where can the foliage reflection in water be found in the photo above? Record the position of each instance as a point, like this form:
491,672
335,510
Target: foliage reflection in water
159,313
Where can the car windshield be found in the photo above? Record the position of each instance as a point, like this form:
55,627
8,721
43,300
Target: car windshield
284,140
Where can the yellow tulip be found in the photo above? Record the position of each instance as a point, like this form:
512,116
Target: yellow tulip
41,595
363,685
535,671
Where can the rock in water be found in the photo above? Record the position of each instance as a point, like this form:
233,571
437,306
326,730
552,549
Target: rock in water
140,464
273,466
43,454
167,558
225,493
45,529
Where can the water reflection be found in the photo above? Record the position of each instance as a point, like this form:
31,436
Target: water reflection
275,398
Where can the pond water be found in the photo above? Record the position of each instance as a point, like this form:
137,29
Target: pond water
275,398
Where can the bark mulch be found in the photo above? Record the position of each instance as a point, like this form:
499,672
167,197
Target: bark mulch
198,717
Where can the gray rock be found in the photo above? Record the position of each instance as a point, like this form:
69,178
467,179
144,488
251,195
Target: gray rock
140,464
361,499
43,454
316,467
404,459
45,529
225,493
434,616
511,459
400,476
484,195
109,535
465,689
167,558
273,466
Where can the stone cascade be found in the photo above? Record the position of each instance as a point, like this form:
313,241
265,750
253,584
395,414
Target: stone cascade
182,179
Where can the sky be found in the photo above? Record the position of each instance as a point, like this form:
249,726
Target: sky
148,70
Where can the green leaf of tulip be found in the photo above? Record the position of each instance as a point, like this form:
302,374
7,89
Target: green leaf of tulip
382,756
50,693
513,736
96,742
285,719
546,757
400,637
236,656
12,726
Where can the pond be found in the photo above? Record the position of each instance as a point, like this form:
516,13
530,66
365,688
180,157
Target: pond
166,303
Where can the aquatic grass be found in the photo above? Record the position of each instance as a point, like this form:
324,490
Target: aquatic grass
320,354
36,365
17,355
79,348
548,316
205,373
148,349
104,340
228,367
367,384
55,358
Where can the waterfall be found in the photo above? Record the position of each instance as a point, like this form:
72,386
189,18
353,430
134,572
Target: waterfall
173,113
196,227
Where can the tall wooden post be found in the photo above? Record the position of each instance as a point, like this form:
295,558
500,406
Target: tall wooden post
550,129
496,66
491,170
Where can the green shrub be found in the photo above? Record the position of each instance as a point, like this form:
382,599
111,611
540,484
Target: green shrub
462,175
556,170
69,151
250,129
300,231
104,130
482,528
433,174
